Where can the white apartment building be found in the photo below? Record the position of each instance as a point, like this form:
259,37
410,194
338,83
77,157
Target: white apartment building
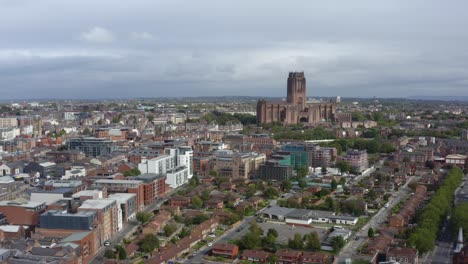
9,133
8,122
176,164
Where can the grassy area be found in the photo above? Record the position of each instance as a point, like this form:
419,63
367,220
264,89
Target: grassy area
361,222
218,259
360,262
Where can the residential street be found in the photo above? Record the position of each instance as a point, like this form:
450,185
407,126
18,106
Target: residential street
351,247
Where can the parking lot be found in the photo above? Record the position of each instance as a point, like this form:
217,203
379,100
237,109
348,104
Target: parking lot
285,232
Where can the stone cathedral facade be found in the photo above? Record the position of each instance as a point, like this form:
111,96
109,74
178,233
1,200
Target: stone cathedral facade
296,109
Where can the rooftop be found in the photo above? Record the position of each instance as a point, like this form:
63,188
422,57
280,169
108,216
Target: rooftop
109,181
22,203
96,203
75,237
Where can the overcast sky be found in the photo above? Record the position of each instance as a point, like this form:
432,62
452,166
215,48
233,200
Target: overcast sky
109,48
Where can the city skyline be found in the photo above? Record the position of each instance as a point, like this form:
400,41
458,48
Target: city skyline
90,50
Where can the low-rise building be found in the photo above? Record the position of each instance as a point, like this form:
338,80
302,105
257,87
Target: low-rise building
403,255
22,212
256,256
225,250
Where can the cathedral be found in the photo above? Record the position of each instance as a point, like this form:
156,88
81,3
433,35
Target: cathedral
296,109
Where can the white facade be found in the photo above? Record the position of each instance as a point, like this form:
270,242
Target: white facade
177,165
9,133
27,130
177,177
70,116
8,122
4,170
158,165
73,172
293,221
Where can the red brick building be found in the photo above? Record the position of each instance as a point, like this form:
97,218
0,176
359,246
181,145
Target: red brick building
22,212
179,201
287,256
225,250
315,258
258,256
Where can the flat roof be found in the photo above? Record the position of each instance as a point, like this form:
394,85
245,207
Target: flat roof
96,203
121,197
160,157
276,210
119,181
65,213
10,228
75,237
86,193
47,164
22,203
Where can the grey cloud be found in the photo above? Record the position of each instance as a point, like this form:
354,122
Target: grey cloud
365,48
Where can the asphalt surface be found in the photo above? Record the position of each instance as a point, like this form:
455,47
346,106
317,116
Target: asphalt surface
445,242
461,194
350,249
224,238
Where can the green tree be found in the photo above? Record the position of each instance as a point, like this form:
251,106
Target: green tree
273,259
302,183
194,181
337,243
342,181
372,195
330,204
169,229
286,184
144,217
302,172
150,118
460,219
205,195
132,172
197,202
296,242
121,252
334,185
271,193
343,166
271,236
370,233
430,219
110,254
312,241
324,170
185,232
149,243
253,239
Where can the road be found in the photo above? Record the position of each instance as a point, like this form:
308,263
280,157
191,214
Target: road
351,247
461,194
224,238
441,253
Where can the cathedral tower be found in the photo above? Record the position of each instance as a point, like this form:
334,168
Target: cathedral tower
297,90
